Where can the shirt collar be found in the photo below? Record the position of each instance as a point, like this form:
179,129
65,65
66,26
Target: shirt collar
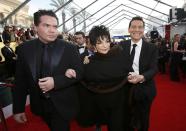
139,43
50,44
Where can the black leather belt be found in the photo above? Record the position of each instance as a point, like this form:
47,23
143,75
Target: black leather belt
104,89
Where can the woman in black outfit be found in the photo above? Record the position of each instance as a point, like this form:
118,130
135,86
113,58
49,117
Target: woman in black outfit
102,94
176,55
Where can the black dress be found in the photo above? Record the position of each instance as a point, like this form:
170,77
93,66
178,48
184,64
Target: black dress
104,72
175,64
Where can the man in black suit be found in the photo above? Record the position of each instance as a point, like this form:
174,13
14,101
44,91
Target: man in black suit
10,58
80,40
52,94
143,69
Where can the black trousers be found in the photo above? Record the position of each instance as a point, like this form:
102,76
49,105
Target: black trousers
137,113
144,115
52,118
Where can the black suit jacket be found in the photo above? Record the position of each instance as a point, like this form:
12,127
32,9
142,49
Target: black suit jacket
64,94
8,54
147,67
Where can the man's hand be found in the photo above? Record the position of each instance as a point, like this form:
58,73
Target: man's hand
70,73
20,118
135,78
46,84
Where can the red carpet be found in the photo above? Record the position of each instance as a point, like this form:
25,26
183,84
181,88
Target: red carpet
168,110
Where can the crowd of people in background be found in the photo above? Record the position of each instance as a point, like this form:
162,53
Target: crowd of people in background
172,54
171,58
13,34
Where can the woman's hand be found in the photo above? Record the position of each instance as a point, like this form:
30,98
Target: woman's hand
86,60
70,73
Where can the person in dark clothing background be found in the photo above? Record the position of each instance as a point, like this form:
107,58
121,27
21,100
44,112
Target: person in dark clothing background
10,58
6,34
176,55
162,54
80,40
183,61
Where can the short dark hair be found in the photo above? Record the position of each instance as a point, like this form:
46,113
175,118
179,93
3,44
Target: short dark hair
39,13
80,33
98,31
6,42
137,18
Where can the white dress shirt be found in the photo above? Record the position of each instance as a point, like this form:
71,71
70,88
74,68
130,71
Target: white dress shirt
82,50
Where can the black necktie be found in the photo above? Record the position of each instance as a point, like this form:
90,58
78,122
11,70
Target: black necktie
46,65
132,54
46,62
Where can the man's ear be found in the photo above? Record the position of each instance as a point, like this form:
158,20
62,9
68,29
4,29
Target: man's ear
129,30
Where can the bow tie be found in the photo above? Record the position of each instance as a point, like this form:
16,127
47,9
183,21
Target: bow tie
79,47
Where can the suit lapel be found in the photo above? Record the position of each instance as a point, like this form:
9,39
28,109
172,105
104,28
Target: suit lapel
142,56
32,60
128,47
11,50
57,53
